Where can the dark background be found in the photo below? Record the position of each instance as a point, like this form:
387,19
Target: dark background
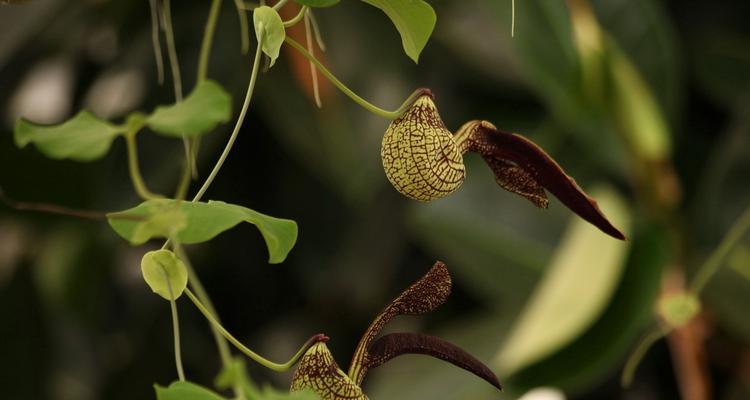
77,322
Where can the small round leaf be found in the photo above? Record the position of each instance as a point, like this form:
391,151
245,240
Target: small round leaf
269,29
162,270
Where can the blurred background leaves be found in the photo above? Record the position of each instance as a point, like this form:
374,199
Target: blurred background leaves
646,97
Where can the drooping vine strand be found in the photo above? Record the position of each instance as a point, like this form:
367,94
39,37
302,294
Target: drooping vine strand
640,351
238,124
297,18
313,70
244,28
357,99
155,44
279,367
208,38
174,64
196,285
175,329
135,170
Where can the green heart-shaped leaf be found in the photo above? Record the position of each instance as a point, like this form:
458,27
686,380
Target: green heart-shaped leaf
414,19
185,391
203,221
269,29
164,273
205,107
81,138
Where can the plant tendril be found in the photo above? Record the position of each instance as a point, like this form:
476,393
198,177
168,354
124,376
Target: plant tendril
297,18
155,41
279,367
640,351
313,71
175,328
357,99
238,124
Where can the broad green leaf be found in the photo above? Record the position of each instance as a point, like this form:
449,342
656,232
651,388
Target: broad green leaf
203,221
573,292
414,19
164,222
81,138
317,3
185,391
678,309
164,273
596,353
636,110
269,29
205,107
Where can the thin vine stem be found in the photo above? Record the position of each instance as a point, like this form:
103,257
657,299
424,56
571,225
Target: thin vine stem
195,283
297,18
316,30
313,70
238,124
280,4
244,26
175,329
155,44
357,99
714,261
640,351
208,38
174,64
135,170
279,367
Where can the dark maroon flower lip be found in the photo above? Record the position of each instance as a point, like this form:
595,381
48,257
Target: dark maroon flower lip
423,296
524,168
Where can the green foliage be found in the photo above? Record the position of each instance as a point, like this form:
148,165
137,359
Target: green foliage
81,138
86,137
317,3
414,19
203,221
596,351
185,391
164,273
235,374
575,289
205,107
269,29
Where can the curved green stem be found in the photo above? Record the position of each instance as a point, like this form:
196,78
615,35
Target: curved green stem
244,28
155,44
174,65
135,170
278,5
279,367
316,30
195,283
714,262
640,351
175,330
208,38
297,18
357,99
313,70
238,124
